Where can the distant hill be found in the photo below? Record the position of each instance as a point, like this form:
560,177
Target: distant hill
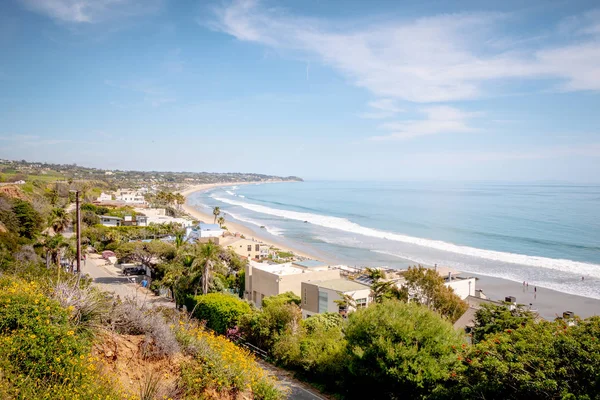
11,171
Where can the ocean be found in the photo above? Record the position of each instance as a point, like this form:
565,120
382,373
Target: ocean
545,234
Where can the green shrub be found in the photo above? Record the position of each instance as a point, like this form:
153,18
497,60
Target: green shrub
400,349
42,355
220,311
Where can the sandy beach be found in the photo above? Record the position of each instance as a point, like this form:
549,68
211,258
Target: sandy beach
549,303
232,226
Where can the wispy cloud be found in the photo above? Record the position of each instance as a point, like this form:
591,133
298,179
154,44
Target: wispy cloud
434,59
382,108
439,119
91,11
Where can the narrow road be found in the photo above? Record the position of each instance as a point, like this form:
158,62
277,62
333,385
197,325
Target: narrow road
110,279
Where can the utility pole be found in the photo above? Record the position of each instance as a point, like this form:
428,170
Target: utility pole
78,232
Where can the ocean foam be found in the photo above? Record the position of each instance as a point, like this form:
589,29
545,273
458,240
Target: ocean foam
569,266
270,229
230,192
565,287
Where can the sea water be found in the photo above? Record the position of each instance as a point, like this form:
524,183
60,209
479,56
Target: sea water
545,234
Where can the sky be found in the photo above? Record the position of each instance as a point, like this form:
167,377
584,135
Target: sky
347,89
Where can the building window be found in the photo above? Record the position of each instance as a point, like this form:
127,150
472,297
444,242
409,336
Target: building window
305,296
361,303
323,302
257,247
249,247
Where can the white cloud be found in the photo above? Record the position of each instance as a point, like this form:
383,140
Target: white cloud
435,59
382,108
439,119
91,11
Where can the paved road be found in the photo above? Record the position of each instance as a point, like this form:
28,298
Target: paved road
110,279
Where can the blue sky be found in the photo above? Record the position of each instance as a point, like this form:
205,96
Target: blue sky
324,90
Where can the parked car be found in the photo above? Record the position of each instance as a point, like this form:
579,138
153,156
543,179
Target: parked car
137,270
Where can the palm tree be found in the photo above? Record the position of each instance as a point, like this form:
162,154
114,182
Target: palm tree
216,213
180,239
60,220
206,256
180,199
221,221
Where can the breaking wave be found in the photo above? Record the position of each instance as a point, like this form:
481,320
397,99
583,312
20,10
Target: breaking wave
342,224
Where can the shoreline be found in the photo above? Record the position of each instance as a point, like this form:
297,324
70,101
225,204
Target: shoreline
236,227
548,302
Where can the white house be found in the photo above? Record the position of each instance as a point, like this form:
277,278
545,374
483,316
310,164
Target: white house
108,220
204,231
321,296
130,197
104,197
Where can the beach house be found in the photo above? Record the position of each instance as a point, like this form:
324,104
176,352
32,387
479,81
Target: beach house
104,197
130,197
108,220
203,231
247,248
321,296
265,279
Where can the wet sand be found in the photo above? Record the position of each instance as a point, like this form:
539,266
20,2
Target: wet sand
549,303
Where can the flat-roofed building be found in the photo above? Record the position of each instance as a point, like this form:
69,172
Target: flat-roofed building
321,296
264,279
251,249
109,220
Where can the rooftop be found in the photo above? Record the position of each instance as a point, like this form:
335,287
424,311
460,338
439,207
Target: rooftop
310,264
209,227
277,269
110,217
340,285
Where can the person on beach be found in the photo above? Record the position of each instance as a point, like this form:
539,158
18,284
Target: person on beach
582,278
535,289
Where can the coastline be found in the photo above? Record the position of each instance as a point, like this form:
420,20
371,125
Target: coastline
549,303
236,227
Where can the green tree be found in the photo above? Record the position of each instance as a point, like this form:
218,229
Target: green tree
221,221
59,219
491,319
545,360
399,350
148,254
206,257
264,327
425,286
30,221
216,213
317,350
221,311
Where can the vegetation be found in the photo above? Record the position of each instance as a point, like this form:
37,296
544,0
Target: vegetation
54,324
399,349
545,360
220,311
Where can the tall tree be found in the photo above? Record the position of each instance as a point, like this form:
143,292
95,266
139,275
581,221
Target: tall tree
216,213
425,286
59,219
206,256
221,221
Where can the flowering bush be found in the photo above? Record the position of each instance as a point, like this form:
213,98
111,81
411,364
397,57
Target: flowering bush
41,353
221,365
